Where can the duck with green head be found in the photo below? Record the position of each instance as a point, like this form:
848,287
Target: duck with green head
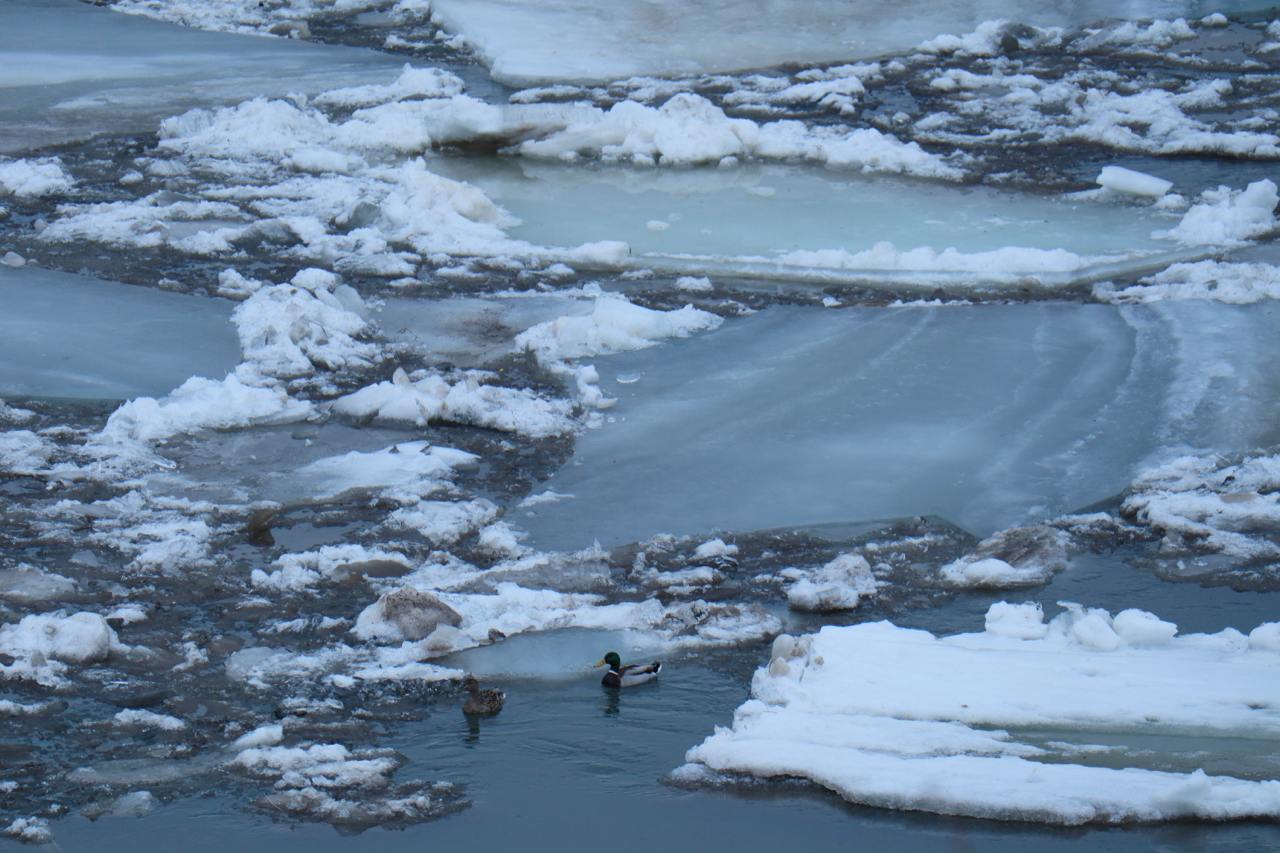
629,675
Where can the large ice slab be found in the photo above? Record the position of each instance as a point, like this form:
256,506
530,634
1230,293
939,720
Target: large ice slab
65,335
70,70
900,718
989,416
526,41
795,222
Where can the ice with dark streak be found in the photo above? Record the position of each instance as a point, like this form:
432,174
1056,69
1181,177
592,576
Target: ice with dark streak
989,416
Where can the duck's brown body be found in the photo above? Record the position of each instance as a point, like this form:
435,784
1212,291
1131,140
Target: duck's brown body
481,703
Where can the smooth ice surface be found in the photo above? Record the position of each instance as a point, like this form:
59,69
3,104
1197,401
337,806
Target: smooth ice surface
783,220
65,335
69,70
989,416
526,41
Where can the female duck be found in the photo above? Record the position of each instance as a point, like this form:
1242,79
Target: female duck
481,703
629,675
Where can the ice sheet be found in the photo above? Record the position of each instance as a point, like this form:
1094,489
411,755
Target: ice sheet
69,70
800,221
990,416
527,41
65,335
899,718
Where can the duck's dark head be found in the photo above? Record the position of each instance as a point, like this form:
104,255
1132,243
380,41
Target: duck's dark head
611,660
470,684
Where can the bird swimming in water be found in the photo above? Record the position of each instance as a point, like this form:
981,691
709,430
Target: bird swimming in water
629,675
481,703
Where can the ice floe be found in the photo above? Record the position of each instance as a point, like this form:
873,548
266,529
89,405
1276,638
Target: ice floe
902,719
753,426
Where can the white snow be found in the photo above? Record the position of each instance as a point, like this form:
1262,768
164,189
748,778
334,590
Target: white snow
898,718
614,325
266,735
148,720
1229,217
1208,502
431,397
841,584
33,178
407,471
1221,281
78,638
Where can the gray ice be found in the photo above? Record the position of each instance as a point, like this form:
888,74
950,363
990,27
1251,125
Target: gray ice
65,335
989,416
70,70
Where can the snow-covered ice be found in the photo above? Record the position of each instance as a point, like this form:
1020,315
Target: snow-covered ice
899,718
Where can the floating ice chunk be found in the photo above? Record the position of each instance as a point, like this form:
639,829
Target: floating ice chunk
839,585
79,638
1229,217
410,469
432,398
694,284
268,735
1220,281
444,522
1207,504
713,549
299,572
1021,556
141,718
32,830
1017,621
33,178
899,718
1122,180
615,325
201,403
412,83
290,330
26,583
688,129
23,452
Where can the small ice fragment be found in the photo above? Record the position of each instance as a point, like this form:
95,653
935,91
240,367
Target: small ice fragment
1122,180
13,259
657,225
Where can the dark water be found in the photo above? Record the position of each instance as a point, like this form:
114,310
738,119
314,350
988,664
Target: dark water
568,765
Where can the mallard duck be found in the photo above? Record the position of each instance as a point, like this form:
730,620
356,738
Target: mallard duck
481,703
629,675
